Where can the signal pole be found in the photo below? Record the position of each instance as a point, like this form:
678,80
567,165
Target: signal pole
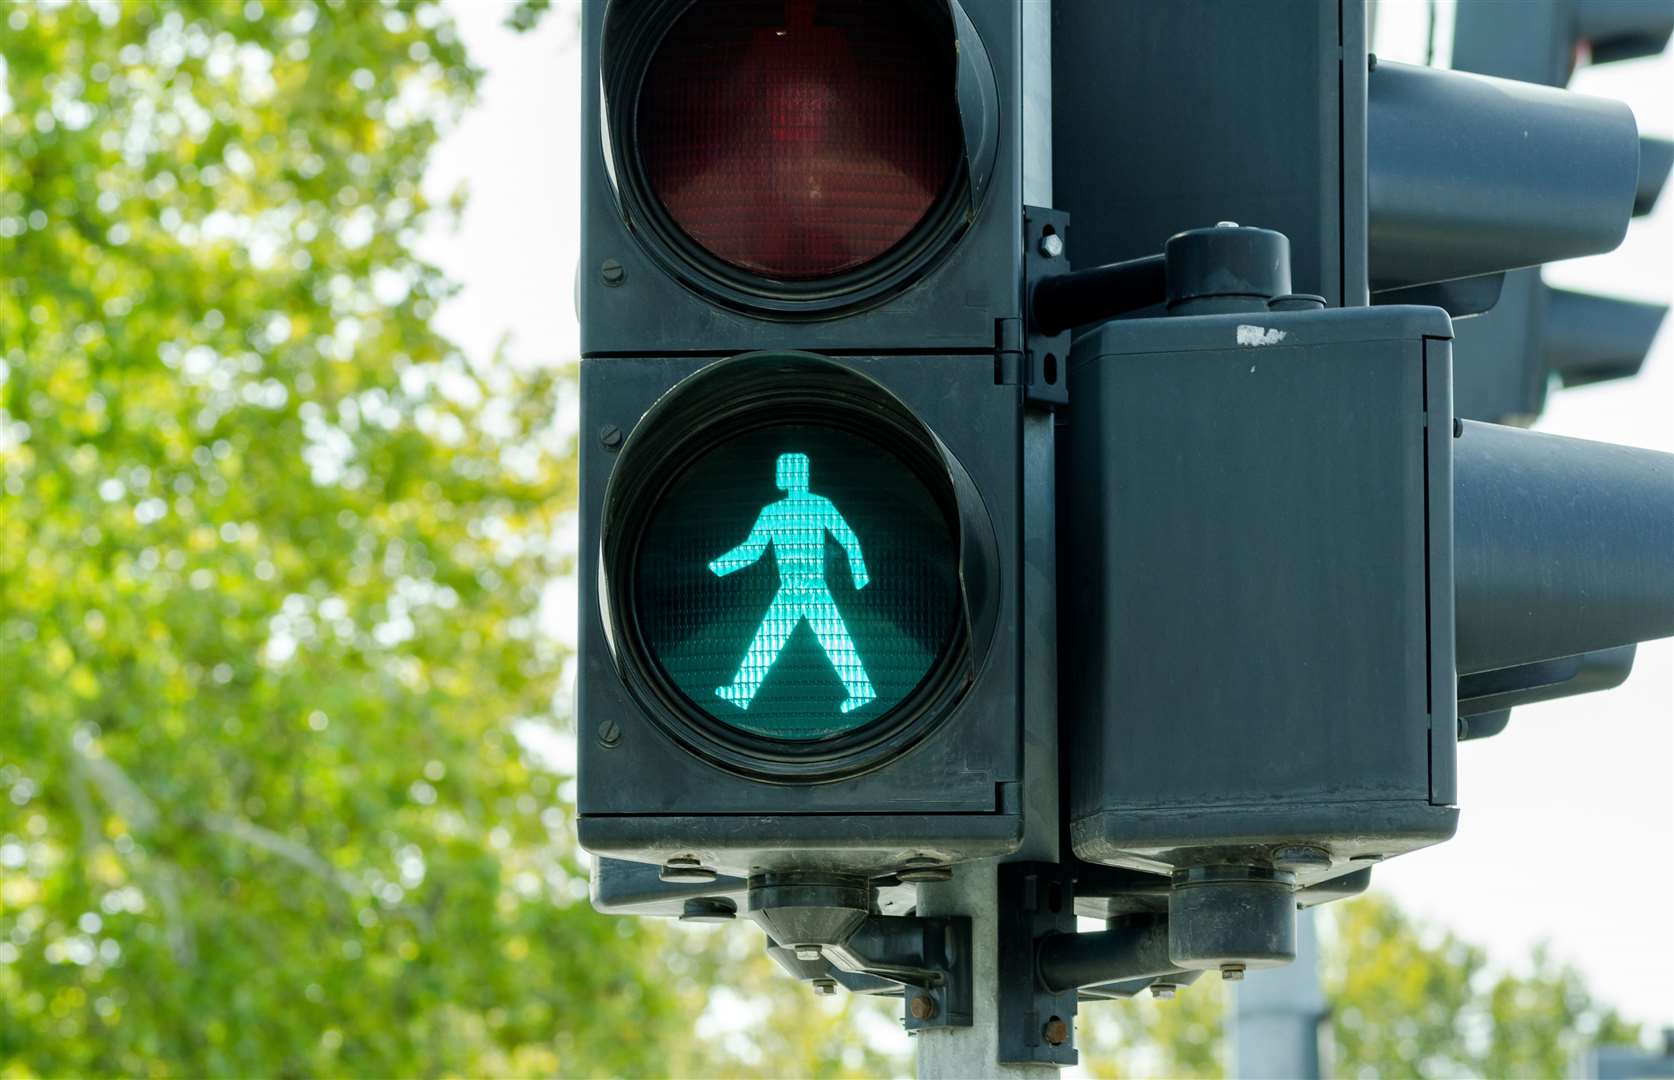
1279,1014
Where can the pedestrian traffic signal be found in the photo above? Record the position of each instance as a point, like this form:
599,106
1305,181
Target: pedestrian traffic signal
790,577
824,357
812,405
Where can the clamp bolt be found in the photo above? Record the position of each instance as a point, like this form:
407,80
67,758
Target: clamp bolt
686,870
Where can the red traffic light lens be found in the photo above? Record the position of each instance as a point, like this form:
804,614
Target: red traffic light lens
798,139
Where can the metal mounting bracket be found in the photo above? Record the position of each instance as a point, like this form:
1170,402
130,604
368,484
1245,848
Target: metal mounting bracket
1045,374
1037,1025
929,957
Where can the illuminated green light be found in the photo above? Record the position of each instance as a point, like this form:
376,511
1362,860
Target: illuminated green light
796,526
838,603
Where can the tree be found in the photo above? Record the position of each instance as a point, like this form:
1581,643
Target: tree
1405,999
1417,1001
272,559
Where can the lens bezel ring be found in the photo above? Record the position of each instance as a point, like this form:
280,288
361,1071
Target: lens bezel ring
887,274
720,411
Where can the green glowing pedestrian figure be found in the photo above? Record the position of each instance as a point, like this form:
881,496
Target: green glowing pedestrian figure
796,526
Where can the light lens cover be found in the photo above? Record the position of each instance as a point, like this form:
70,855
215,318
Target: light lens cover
798,139
797,582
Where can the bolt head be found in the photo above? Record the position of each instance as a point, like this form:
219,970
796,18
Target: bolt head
808,953
1052,245
922,869
611,436
922,1006
1232,972
612,273
610,732
1163,991
686,870
1226,225
825,987
1055,1032
707,909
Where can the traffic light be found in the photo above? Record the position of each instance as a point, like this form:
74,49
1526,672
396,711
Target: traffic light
827,375
1295,570
815,493
1509,356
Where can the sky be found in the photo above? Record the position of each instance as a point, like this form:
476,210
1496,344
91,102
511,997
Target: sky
1566,831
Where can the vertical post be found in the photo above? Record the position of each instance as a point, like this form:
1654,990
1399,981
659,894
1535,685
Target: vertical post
961,1053
1279,1013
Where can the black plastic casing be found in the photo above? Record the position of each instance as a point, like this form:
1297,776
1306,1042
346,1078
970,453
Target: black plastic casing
954,795
1257,589
948,345
953,307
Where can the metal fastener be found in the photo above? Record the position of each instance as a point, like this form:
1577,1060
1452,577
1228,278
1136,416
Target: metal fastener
808,953
1297,858
1232,972
708,909
825,987
1055,1032
611,436
1052,245
923,1007
1164,991
612,273
922,869
686,870
610,733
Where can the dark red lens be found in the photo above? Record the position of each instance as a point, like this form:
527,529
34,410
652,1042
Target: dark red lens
797,139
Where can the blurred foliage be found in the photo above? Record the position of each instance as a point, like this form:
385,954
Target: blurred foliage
1146,1037
272,564
1414,995
1403,999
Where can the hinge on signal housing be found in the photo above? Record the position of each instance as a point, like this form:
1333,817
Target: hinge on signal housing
1008,352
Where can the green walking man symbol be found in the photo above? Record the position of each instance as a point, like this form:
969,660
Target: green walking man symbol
796,526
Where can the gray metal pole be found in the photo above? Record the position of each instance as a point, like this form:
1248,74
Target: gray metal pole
1279,1013
965,1053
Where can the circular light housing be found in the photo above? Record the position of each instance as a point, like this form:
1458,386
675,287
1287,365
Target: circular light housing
786,553
798,139
797,158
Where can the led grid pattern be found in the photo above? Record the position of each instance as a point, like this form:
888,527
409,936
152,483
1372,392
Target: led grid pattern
797,582
798,139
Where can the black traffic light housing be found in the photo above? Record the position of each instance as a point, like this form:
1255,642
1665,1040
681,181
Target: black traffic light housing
1535,334
924,345
943,288
1258,509
940,787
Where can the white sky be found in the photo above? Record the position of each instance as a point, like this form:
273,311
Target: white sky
1567,825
